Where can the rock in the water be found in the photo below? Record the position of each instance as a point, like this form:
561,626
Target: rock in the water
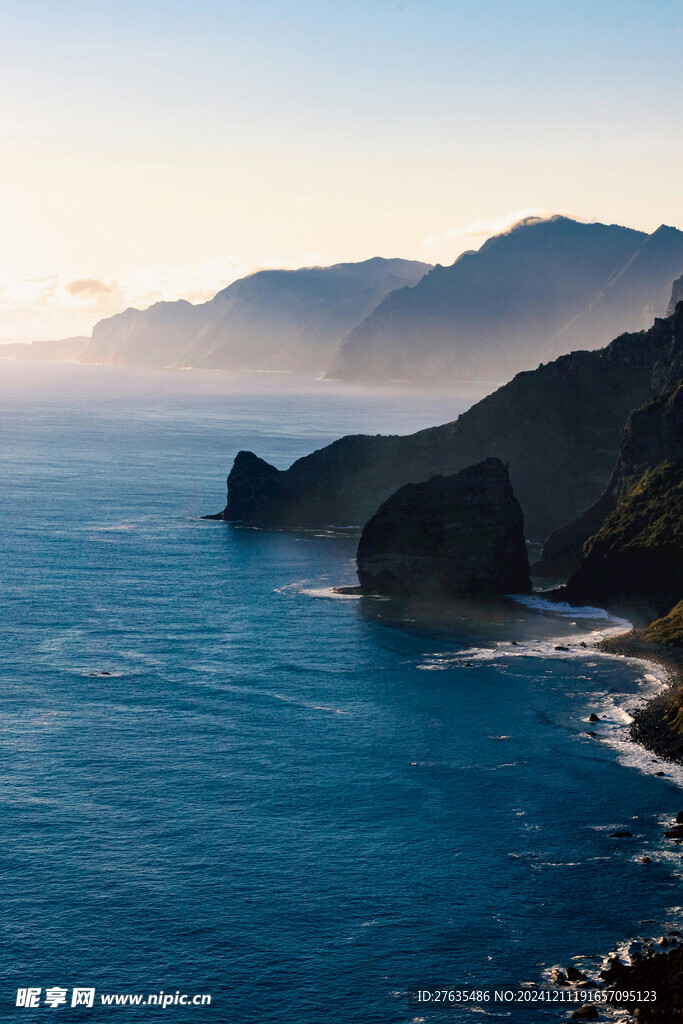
593,718
625,834
613,969
461,534
574,974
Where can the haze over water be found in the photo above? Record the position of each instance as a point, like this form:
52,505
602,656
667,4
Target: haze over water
282,799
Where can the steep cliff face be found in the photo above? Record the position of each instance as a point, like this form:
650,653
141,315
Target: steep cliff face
461,534
652,435
558,429
536,292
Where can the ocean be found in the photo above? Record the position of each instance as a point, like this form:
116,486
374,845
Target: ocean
220,777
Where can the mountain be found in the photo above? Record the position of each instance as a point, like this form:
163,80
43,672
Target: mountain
151,337
294,319
558,428
632,298
271,320
537,291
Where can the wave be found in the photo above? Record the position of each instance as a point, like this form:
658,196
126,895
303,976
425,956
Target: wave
309,589
536,602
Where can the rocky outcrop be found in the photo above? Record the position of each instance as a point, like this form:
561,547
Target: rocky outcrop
668,630
558,428
461,534
538,291
270,320
653,435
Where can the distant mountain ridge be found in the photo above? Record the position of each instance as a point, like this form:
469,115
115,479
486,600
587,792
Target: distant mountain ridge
66,350
537,291
270,320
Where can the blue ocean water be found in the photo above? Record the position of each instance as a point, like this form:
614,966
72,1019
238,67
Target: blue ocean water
301,804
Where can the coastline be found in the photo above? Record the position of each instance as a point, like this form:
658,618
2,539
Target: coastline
651,969
655,725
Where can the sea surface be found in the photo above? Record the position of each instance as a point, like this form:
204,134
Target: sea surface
219,777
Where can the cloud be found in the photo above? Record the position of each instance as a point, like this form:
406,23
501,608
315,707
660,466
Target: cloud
88,285
55,305
482,229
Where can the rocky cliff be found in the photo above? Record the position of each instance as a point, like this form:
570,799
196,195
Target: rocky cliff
461,534
557,427
535,292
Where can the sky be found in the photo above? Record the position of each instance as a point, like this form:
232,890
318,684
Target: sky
159,150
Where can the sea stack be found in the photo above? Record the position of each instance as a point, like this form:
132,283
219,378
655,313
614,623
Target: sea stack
460,534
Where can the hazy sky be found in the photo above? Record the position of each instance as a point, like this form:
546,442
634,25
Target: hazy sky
161,148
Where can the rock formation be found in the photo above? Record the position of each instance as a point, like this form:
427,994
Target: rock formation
461,534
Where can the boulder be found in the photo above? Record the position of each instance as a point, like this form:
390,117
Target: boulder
460,534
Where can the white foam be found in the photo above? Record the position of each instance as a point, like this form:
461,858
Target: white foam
536,602
312,588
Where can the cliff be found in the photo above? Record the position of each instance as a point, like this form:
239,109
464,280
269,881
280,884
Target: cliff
535,292
652,435
558,429
637,554
270,320
461,534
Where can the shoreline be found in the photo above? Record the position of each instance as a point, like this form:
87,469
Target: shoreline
651,969
657,724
